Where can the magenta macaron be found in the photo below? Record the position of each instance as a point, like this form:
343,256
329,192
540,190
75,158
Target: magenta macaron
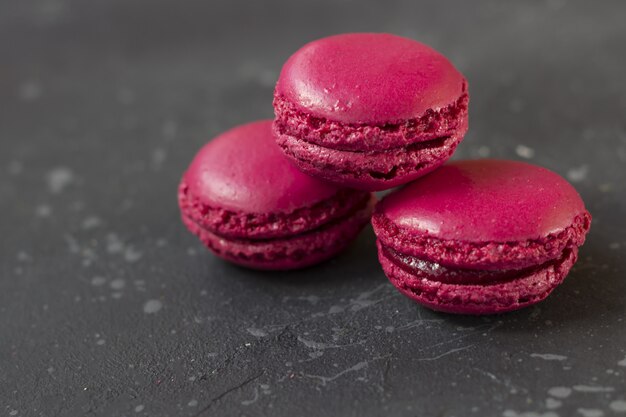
480,237
369,110
249,205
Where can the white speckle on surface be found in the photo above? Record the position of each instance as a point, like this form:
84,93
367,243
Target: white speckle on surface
169,129
313,299
335,309
589,412
324,379
605,188
592,388
516,105
139,408
23,256
524,151
267,78
615,246
363,300
59,178
618,406
548,356
578,174
152,306
43,210
316,354
551,403
98,281
91,222
117,284
15,168
483,151
622,362
316,345
449,352
191,252
257,332
29,91
100,342
114,244
192,403
560,392
513,413
132,255
157,157
253,399
125,96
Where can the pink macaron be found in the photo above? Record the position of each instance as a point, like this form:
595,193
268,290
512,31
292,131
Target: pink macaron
249,205
369,110
480,237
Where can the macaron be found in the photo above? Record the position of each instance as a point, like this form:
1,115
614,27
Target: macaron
481,236
369,110
249,205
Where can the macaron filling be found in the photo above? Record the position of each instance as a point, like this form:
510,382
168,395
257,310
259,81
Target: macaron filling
513,291
482,255
411,160
360,137
291,250
435,272
232,224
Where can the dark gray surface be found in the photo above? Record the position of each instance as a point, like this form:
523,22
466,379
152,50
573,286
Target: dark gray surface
108,307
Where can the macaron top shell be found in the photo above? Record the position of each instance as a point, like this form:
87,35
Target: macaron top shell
369,78
485,201
244,170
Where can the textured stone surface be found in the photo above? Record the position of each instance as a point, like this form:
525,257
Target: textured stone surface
109,307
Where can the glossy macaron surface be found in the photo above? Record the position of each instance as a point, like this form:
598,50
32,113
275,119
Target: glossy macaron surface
243,170
485,201
372,78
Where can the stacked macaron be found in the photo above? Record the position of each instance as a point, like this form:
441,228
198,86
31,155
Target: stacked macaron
250,206
366,112
369,111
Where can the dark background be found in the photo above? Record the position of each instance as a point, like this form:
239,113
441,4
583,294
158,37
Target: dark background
109,307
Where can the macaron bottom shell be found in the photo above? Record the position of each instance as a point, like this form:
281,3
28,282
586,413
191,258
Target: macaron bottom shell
475,292
289,252
369,170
